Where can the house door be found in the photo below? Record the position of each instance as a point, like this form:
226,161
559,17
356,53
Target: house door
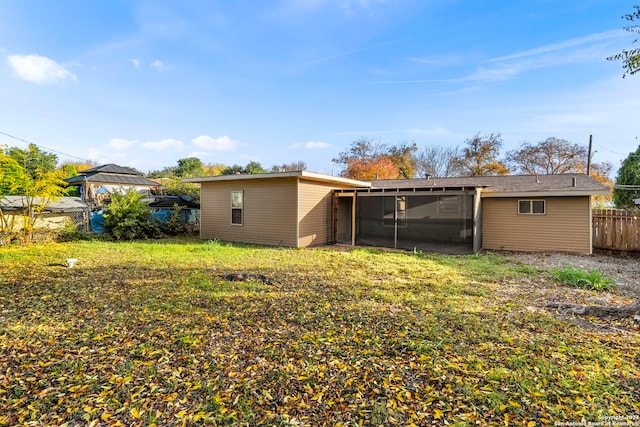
343,219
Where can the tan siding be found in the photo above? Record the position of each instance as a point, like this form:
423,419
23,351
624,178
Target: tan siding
269,215
314,211
564,228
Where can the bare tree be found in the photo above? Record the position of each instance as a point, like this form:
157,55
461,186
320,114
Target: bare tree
289,167
438,161
549,157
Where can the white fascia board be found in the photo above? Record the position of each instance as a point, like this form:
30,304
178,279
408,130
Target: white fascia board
564,193
312,176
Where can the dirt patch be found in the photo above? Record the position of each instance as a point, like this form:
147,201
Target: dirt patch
542,290
625,271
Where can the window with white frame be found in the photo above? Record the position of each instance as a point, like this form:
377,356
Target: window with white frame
532,207
237,204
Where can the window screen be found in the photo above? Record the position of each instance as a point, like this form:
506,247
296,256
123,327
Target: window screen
236,207
537,207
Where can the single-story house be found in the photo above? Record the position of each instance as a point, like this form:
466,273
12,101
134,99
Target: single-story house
96,185
455,215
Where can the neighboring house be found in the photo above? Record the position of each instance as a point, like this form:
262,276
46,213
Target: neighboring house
454,215
55,215
96,185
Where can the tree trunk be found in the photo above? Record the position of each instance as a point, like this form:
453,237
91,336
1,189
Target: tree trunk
612,311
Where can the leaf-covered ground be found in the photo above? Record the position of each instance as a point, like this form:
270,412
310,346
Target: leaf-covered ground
152,334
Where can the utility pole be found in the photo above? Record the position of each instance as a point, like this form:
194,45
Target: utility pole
589,155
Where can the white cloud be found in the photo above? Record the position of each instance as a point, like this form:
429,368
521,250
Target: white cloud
135,62
221,143
199,154
592,47
39,69
448,59
347,6
122,144
157,65
312,145
564,45
163,144
579,50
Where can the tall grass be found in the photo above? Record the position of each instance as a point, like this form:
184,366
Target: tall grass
593,279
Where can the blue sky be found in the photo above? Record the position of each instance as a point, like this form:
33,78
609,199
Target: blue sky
145,83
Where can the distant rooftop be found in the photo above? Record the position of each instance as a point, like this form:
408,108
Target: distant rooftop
110,168
111,174
63,204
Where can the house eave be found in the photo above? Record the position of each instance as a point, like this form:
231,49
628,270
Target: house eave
302,175
561,193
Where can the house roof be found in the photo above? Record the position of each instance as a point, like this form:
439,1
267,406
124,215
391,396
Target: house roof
575,184
110,168
111,174
64,204
112,178
303,175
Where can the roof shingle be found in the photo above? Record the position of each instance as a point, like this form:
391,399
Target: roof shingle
575,182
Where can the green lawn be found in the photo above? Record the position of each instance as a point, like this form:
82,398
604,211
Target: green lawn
147,333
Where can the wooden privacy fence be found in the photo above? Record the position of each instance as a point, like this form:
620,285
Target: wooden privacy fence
616,229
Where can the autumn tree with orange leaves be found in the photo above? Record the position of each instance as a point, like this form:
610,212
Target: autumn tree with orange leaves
367,159
380,167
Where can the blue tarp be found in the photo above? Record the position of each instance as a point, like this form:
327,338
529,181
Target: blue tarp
162,216
96,219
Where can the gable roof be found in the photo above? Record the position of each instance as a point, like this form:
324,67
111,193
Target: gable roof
303,175
110,168
112,178
111,174
574,184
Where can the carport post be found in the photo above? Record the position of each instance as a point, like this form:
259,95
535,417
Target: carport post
477,220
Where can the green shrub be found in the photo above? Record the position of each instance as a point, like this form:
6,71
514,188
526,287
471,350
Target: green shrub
127,218
593,279
176,224
71,233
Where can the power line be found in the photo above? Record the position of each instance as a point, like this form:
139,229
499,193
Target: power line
611,151
45,148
